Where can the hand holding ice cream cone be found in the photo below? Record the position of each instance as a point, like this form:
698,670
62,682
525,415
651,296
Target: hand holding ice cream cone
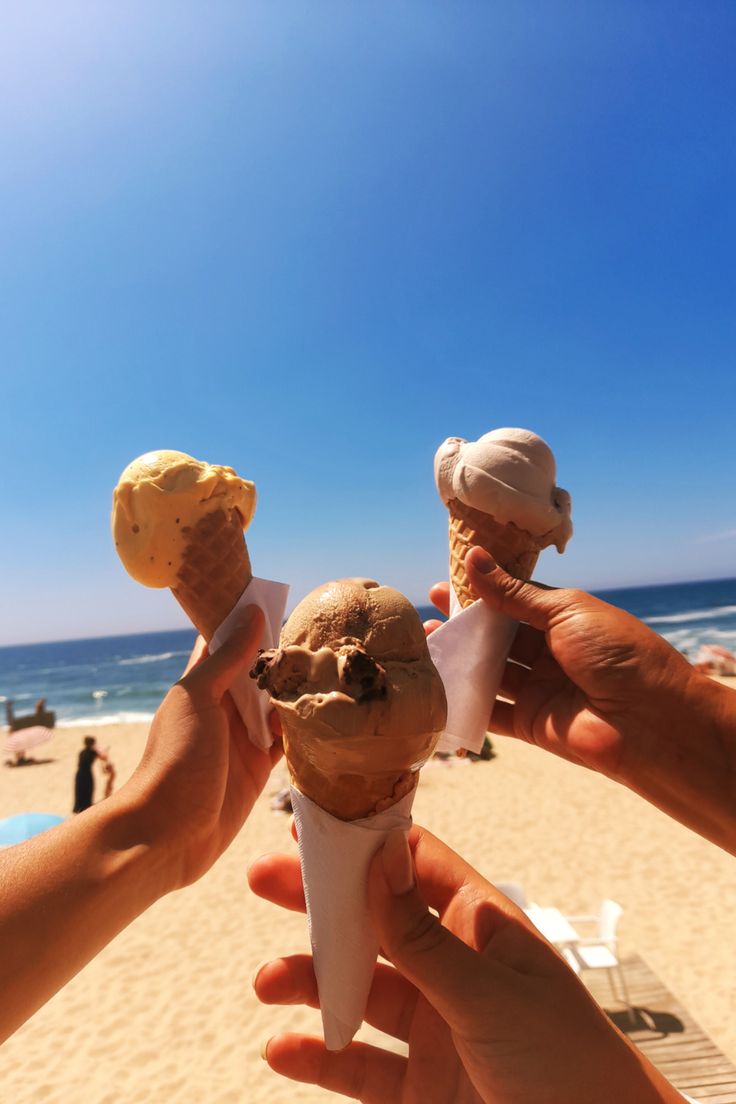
361,707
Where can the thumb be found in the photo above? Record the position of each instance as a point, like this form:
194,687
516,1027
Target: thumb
524,601
450,974
210,679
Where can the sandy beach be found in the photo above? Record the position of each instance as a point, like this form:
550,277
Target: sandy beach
167,1013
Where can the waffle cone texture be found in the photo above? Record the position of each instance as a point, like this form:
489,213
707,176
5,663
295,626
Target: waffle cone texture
215,570
515,550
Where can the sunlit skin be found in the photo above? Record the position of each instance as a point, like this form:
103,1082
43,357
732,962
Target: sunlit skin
489,1010
68,892
593,684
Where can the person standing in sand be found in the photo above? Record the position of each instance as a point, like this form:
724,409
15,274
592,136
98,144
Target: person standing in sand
109,771
84,783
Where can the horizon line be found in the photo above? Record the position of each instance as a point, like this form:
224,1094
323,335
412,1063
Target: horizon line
190,628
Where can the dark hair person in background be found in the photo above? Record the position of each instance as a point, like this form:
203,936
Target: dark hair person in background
84,783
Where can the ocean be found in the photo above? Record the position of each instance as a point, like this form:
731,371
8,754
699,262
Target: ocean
118,679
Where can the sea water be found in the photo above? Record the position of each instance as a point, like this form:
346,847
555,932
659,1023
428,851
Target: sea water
119,679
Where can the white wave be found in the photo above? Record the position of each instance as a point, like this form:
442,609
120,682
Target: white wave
149,658
691,639
65,669
721,635
105,719
691,615
683,639
98,694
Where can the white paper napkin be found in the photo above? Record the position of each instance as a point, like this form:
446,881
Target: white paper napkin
335,857
470,651
254,705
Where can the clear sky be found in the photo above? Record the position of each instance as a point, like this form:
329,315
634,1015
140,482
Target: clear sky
313,239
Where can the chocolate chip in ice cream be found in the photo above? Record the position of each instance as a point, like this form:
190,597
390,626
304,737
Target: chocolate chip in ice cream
283,672
364,670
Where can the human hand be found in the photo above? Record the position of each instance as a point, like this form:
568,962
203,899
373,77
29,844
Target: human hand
200,773
593,684
489,1010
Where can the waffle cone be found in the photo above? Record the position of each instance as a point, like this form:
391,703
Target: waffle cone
215,570
514,549
342,794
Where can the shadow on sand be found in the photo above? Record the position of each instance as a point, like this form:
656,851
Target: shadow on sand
658,1024
27,762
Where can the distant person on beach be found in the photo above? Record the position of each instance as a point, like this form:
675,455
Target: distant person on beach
489,1010
84,783
109,772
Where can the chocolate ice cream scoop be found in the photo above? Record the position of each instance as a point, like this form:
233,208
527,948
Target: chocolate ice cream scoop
360,701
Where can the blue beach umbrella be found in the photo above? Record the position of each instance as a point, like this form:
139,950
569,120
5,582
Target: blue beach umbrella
21,827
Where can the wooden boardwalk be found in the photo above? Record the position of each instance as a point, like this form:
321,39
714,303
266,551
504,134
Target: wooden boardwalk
666,1033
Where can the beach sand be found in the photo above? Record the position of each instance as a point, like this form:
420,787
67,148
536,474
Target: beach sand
167,1014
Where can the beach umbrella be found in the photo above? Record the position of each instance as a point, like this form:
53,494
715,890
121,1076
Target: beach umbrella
26,738
22,826
718,657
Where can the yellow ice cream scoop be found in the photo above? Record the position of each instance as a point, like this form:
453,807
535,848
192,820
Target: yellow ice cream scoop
178,522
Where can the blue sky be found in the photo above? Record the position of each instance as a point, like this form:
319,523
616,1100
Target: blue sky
311,240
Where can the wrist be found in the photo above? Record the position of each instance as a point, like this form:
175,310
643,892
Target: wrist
66,894
128,850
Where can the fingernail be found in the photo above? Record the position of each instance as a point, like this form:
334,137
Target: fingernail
257,971
264,1049
397,865
481,561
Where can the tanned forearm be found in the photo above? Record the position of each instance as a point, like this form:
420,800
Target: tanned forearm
66,894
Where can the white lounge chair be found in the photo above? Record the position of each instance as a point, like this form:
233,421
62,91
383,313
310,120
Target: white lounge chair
515,892
599,951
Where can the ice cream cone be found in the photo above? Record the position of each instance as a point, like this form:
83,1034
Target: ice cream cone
345,795
215,570
178,523
361,707
500,493
360,702
515,550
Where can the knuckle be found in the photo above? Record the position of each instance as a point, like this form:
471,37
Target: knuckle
423,935
512,587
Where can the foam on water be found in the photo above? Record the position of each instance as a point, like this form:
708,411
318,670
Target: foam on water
107,680
691,615
105,719
135,660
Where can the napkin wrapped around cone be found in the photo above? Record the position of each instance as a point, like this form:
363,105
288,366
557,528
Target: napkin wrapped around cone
362,708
